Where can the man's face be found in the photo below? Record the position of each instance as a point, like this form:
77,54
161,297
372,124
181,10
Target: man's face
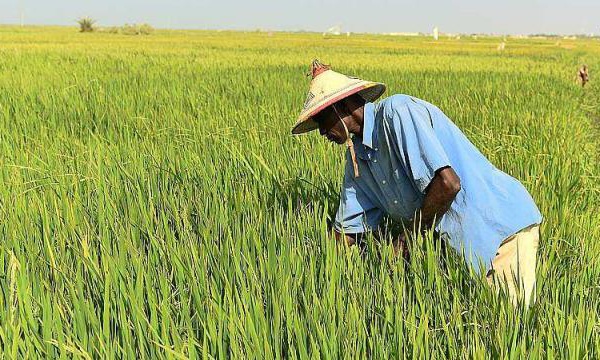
330,122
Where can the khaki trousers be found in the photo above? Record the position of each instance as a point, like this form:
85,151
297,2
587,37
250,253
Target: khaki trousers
513,268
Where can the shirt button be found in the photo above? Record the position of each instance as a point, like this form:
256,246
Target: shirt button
395,201
383,182
375,160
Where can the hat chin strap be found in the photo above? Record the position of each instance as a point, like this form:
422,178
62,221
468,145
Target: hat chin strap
350,146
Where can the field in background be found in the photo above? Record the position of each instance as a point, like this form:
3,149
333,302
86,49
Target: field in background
153,203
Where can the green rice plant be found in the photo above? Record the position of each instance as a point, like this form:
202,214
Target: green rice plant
154,204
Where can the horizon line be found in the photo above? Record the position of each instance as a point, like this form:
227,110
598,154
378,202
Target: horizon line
326,32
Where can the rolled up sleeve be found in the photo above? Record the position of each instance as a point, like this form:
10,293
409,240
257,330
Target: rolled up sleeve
418,144
356,212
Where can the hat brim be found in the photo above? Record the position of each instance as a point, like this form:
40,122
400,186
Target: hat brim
370,91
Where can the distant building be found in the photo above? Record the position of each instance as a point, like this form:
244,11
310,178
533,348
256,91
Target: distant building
334,30
435,33
403,34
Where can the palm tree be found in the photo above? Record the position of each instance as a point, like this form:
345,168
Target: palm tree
86,24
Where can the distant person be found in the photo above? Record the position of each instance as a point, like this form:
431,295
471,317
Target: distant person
408,160
583,75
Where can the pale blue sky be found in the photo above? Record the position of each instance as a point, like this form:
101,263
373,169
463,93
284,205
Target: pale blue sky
467,16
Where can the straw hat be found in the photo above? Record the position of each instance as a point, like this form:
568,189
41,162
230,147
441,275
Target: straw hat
328,87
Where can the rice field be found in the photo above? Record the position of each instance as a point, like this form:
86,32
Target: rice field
154,204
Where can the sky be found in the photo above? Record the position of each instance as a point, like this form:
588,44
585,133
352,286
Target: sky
375,16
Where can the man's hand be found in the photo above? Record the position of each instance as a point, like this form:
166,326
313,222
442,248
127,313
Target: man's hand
346,239
401,247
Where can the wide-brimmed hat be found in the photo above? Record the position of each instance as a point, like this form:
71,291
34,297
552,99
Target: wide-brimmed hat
328,87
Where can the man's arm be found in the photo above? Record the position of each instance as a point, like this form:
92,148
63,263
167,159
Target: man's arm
356,214
438,196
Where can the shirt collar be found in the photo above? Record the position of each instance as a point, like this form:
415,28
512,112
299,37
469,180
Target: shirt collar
364,145
368,124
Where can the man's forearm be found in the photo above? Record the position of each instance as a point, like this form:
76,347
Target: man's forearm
441,192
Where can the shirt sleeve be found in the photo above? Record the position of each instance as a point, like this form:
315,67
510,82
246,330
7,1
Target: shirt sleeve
356,212
419,146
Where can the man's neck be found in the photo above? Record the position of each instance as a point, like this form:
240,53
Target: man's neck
358,119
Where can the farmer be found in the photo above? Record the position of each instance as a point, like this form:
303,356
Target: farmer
583,75
406,159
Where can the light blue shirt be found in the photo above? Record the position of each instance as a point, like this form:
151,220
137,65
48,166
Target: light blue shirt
405,141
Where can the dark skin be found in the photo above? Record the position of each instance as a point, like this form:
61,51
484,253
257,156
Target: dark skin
438,196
